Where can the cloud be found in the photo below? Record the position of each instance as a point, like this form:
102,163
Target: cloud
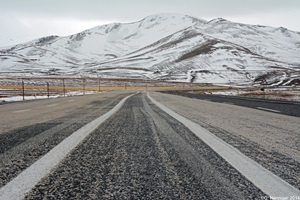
37,18
129,9
24,29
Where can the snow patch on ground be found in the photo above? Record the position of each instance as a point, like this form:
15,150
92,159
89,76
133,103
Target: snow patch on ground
277,94
69,94
229,92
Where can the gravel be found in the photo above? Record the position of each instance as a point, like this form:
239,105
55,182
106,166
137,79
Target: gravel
272,140
142,153
23,146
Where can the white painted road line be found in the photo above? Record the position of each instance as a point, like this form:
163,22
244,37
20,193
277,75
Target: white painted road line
262,178
228,103
267,109
26,181
51,105
20,111
71,100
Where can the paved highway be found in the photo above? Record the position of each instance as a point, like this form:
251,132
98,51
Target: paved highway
30,129
277,106
269,138
19,114
142,152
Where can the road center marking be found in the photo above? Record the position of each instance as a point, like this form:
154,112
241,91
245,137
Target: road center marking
21,111
71,100
51,105
228,103
267,109
262,178
26,181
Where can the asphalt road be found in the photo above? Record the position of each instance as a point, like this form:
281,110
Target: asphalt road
141,152
277,106
42,124
269,138
19,114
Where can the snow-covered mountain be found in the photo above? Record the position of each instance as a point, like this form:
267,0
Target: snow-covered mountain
165,46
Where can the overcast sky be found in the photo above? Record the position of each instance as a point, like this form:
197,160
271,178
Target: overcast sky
23,20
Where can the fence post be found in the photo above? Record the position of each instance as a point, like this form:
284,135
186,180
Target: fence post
64,87
48,90
23,90
83,85
99,83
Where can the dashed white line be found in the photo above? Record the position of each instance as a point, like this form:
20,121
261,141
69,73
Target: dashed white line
51,105
265,180
267,109
21,111
228,103
71,100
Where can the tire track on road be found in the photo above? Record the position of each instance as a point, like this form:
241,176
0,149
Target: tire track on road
22,147
133,156
284,166
265,180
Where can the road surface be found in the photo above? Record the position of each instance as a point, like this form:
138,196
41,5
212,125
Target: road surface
141,152
278,106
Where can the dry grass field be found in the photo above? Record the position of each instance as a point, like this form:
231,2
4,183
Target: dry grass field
44,86
62,86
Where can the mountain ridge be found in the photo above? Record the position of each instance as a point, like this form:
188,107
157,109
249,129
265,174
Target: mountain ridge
166,46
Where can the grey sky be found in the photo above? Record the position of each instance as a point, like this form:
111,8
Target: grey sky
23,20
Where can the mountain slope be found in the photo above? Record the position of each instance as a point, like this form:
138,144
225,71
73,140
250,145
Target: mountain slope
165,46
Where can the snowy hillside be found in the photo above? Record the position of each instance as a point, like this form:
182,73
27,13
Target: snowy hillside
165,46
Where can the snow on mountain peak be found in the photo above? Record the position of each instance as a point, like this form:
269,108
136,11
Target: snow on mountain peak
161,46
217,20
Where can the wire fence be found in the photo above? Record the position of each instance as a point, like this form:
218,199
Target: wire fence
49,86
65,86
